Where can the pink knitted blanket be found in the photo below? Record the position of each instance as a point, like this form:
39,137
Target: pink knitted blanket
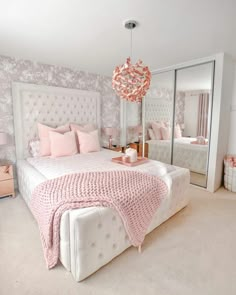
135,195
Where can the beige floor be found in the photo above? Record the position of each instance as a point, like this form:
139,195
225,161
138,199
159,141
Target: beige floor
192,253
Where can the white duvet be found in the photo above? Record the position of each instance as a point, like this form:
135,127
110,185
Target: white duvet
98,161
185,154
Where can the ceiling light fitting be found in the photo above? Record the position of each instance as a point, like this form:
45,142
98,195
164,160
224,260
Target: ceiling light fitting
131,81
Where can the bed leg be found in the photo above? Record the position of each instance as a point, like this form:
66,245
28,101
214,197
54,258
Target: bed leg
140,249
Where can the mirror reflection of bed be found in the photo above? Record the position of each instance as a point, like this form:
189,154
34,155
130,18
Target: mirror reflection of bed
191,114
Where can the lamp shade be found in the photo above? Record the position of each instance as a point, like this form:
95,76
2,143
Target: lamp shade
4,138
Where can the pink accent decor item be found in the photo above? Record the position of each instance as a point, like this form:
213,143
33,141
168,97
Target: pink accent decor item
140,198
230,160
88,142
201,143
131,82
43,131
62,144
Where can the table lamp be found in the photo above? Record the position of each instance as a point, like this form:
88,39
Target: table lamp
110,131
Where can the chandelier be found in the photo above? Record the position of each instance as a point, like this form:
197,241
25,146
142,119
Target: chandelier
131,81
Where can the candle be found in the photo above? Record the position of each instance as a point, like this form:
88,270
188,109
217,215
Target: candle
132,153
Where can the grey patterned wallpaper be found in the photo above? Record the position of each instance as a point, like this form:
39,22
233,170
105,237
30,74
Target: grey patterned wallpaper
17,70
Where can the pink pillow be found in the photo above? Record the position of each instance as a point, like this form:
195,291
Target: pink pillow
178,133
88,141
151,133
156,127
62,144
165,132
43,131
83,128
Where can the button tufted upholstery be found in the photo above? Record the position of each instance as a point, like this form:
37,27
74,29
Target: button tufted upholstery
51,106
91,237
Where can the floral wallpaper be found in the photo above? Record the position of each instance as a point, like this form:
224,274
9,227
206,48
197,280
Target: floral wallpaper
17,70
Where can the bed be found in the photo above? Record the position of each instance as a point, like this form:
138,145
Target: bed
89,237
187,155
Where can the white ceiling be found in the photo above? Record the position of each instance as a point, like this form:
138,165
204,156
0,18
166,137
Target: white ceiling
89,35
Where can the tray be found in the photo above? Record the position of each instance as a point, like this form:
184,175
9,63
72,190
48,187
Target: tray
139,161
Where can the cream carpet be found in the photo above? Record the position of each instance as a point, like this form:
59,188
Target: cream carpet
192,253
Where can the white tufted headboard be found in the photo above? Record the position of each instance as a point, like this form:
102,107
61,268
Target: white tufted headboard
157,109
52,106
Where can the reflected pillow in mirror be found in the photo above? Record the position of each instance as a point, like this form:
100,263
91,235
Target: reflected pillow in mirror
165,133
178,133
151,134
156,127
88,141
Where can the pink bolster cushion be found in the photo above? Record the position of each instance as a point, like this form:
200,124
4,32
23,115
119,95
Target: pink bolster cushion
88,141
62,144
43,131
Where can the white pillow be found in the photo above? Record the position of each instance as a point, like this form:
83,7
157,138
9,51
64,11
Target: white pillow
151,134
34,148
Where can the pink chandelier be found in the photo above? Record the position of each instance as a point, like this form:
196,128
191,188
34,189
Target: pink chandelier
131,81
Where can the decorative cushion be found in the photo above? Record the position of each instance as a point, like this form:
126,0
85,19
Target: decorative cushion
178,133
34,147
156,127
83,128
151,133
165,133
62,144
43,131
88,141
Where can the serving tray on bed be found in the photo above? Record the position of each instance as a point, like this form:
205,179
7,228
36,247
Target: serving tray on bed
139,161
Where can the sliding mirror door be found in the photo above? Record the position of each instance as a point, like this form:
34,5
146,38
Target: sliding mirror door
193,101
158,116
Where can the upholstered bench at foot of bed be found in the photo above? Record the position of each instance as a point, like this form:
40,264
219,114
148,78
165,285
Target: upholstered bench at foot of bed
91,237
97,235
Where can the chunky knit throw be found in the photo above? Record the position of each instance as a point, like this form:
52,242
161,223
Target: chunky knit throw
135,195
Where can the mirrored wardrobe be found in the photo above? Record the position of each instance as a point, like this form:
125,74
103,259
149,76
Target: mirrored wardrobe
177,118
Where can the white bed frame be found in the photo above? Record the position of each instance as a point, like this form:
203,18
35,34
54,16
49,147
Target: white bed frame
89,237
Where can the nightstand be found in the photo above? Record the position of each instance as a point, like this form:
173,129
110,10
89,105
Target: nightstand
6,181
139,148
